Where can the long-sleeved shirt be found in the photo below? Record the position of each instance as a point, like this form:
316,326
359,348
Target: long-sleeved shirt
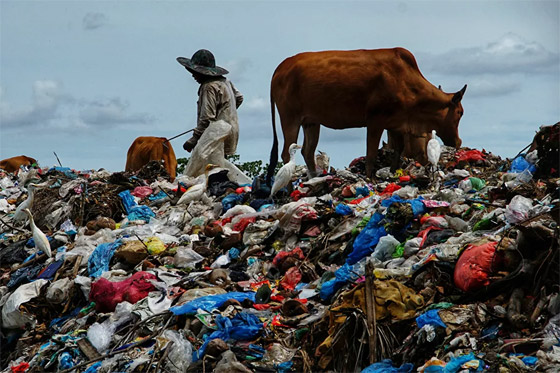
218,99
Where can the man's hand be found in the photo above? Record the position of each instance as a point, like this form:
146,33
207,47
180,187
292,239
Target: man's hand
190,144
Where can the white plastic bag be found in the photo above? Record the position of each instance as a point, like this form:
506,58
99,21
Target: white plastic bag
518,209
179,356
209,149
385,248
12,317
186,257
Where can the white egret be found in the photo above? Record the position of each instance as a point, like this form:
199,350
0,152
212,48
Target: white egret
434,151
196,192
19,215
285,173
41,241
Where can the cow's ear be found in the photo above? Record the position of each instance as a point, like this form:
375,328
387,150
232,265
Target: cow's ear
457,97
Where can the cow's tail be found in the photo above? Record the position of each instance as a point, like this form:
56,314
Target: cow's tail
274,152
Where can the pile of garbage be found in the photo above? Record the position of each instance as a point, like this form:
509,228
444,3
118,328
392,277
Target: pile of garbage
446,270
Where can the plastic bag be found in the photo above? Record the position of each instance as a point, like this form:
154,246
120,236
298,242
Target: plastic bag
186,257
386,366
369,237
518,209
343,209
385,248
179,356
107,295
155,246
474,266
521,164
99,260
430,317
210,302
12,317
135,211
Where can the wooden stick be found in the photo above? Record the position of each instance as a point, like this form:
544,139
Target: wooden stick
28,263
371,314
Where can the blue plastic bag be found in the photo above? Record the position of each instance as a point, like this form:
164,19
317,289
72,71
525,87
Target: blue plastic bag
365,242
99,260
342,276
454,365
520,164
65,361
418,207
210,302
386,366
343,209
362,191
231,200
135,211
430,317
242,327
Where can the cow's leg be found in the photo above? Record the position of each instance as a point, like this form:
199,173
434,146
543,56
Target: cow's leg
290,128
310,141
374,133
397,147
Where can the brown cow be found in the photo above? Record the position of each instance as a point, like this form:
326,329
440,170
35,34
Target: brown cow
146,149
13,164
380,89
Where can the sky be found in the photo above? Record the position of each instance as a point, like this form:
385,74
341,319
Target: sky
84,79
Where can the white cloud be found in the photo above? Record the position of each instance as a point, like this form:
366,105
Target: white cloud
110,112
492,86
52,108
237,68
47,98
92,21
256,105
509,54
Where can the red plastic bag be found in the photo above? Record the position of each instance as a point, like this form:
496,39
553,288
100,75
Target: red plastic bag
142,191
282,255
243,223
389,189
469,155
107,294
474,267
291,278
20,368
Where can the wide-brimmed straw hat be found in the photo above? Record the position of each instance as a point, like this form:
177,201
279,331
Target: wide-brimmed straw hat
202,62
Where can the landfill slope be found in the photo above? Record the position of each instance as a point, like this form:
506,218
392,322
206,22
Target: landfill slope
438,268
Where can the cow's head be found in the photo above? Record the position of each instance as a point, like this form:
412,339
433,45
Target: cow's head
449,129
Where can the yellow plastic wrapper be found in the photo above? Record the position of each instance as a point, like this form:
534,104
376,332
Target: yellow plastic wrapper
155,246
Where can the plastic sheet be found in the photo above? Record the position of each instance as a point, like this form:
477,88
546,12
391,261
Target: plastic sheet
386,366
135,211
180,352
518,209
367,239
210,302
243,326
12,317
430,317
99,260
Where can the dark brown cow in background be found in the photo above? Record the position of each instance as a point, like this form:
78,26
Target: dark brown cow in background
146,149
380,89
13,164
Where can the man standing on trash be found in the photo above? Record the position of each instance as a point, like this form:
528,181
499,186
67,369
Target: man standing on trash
217,98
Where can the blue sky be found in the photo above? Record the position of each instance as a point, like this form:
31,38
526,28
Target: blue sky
84,79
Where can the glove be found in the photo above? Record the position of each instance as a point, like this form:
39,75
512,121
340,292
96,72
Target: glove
190,144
